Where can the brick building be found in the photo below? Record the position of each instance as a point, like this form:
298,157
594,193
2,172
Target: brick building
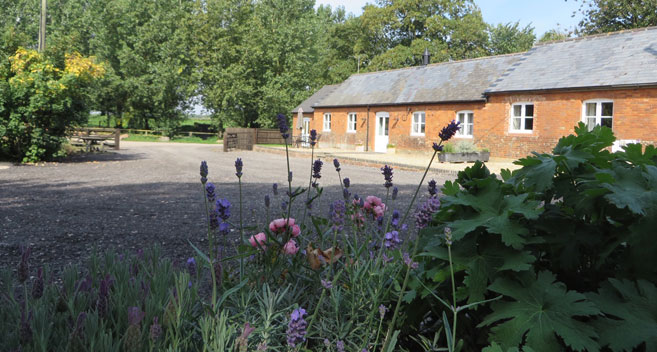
509,104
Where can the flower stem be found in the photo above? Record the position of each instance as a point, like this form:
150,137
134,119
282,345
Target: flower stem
451,269
310,181
417,190
239,180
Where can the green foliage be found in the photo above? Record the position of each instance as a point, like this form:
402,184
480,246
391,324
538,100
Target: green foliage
602,16
510,38
552,35
566,240
40,98
465,147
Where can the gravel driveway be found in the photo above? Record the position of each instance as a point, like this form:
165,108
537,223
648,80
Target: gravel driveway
150,193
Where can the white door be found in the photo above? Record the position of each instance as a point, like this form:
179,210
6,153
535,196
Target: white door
381,137
305,132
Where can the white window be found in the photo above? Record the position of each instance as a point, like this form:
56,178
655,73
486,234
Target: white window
466,118
598,113
522,118
327,121
417,127
351,122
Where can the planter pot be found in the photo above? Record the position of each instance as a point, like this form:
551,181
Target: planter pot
463,157
391,150
360,148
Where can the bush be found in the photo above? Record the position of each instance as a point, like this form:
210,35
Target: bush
40,98
565,245
465,147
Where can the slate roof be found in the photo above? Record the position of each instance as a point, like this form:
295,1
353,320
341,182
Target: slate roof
619,59
309,104
454,81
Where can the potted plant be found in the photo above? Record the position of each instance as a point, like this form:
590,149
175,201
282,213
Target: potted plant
463,151
391,149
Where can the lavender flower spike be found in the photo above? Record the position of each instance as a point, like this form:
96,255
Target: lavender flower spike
433,189
426,211
387,175
267,200
313,138
346,182
204,172
274,188
210,191
238,167
336,163
438,148
395,191
282,126
449,131
296,329
223,209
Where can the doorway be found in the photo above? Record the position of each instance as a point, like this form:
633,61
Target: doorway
381,137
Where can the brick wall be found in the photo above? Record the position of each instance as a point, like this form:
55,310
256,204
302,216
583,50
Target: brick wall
555,115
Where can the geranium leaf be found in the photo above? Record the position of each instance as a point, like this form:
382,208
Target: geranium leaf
542,309
630,314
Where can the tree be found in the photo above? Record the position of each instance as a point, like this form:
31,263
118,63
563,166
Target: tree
510,38
602,16
553,34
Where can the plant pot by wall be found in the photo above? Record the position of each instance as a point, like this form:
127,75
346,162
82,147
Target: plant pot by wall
463,157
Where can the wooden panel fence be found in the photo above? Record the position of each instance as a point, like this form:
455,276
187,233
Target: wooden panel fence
245,138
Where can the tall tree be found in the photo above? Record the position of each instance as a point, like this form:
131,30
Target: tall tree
613,15
553,34
510,38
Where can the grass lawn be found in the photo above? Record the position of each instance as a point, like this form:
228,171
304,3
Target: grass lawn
150,138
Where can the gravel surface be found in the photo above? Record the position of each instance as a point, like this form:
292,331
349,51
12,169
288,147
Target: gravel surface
150,193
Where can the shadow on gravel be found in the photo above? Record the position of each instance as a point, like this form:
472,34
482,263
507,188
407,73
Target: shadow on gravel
64,223
101,157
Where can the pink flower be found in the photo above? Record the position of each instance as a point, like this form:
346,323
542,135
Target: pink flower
378,210
260,239
280,225
291,248
296,230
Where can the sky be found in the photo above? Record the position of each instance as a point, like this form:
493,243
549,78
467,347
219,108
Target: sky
543,15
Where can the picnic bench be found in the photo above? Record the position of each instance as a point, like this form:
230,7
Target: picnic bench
97,138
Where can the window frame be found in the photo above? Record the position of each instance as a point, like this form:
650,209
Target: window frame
523,117
349,122
420,124
460,133
598,111
326,114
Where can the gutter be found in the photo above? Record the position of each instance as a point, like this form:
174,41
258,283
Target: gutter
575,89
402,104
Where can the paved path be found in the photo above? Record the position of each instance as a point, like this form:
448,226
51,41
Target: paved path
149,193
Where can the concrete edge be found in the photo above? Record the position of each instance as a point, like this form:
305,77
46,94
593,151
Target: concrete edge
353,161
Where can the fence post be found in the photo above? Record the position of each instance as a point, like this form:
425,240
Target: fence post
117,138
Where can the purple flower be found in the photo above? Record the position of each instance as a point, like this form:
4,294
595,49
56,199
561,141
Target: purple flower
346,182
317,168
37,286
274,188
289,176
426,211
284,205
282,126
336,163
204,172
85,284
395,219
224,228
395,191
433,189
24,264
238,167
449,131
209,191
135,315
387,175
313,138
191,266
437,147
296,328
337,210
391,240
408,261
267,200
346,194
223,209
214,219
340,346
155,330
327,284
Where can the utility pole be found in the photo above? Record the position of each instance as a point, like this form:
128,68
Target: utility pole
42,27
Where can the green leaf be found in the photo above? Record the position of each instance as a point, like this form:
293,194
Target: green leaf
537,172
633,188
493,210
630,314
541,310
